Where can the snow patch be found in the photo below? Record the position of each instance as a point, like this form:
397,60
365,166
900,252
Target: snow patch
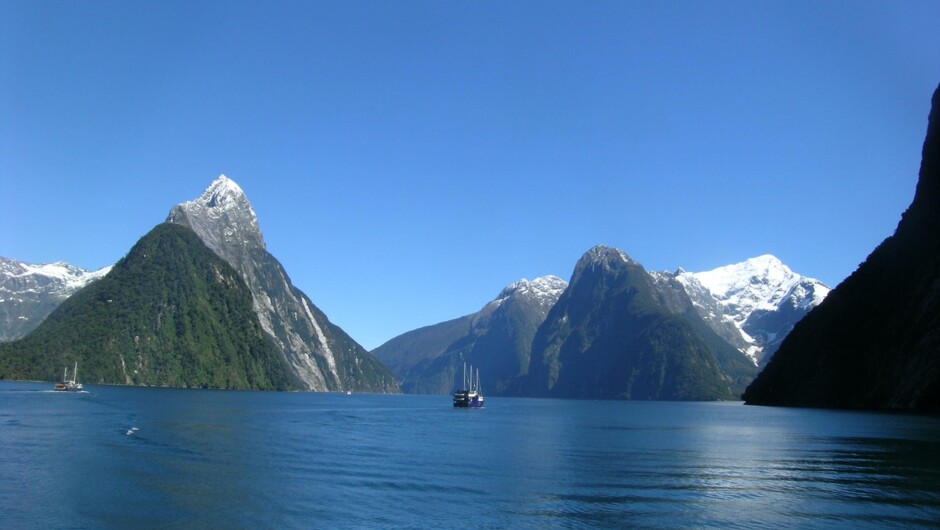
544,288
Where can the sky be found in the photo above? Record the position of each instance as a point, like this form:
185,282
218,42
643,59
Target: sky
409,159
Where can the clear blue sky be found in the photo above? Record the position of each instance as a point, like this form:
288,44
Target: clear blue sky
409,159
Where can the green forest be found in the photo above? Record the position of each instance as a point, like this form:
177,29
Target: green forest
170,313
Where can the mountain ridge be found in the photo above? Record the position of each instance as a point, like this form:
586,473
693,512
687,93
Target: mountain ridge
613,335
496,339
29,292
873,342
321,354
677,294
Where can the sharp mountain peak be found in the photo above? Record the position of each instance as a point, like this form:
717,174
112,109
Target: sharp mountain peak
606,255
221,192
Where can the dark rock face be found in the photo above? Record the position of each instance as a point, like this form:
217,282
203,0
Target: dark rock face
615,334
770,327
321,355
409,355
497,340
875,341
171,313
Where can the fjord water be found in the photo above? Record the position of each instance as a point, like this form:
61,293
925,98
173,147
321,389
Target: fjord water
136,457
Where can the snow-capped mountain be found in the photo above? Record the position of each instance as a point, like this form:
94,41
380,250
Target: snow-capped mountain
619,332
223,218
716,325
28,292
542,292
761,296
321,355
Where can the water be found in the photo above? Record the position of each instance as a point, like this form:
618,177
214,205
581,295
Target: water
134,457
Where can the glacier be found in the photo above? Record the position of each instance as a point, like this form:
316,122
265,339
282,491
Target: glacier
761,296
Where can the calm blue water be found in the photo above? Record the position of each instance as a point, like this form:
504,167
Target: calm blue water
135,457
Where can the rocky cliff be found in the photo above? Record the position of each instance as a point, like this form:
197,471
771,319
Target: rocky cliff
321,355
875,341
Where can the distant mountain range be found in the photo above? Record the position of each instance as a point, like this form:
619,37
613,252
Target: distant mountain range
617,331
518,339
28,292
200,302
875,341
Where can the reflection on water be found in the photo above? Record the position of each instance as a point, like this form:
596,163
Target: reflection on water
123,457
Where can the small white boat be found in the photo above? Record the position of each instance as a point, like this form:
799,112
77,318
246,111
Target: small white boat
69,385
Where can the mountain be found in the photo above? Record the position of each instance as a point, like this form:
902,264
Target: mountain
874,343
497,340
410,354
618,332
170,313
320,354
28,293
696,302
761,297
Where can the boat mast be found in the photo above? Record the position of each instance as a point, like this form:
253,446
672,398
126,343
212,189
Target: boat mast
75,373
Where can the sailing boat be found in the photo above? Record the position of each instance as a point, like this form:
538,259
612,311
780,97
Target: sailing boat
69,385
470,396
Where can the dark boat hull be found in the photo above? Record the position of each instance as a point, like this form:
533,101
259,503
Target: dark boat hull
463,400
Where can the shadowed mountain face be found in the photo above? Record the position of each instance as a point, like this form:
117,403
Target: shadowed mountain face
615,334
738,313
319,353
417,357
170,313
875,341
497,340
